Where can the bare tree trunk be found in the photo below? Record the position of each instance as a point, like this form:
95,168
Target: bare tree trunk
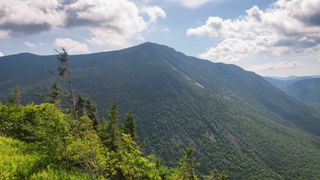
72,92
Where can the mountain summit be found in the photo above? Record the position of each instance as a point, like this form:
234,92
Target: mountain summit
235,119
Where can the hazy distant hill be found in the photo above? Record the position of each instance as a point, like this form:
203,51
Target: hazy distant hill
284,83
305,89
235,119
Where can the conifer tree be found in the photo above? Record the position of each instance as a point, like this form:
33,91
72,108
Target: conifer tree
130,125
92,113
188,166
64,71
214,175
15,97
80,106
109,132
85,106
55,94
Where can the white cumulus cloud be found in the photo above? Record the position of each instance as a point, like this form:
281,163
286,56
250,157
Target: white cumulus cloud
111,23
154,13
285,27
280,65
231,50
1,54
29,44
71,46
29,16
193,3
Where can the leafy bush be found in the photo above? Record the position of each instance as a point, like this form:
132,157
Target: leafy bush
49,142
18,159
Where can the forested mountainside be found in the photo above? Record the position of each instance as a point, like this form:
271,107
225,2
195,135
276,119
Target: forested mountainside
305,89
44,142
236,120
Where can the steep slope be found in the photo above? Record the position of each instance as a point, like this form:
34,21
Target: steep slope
280,83
237,121
307,91
284,83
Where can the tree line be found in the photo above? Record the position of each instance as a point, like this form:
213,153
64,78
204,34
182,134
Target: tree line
70,135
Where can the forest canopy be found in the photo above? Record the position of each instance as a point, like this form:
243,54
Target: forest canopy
63,138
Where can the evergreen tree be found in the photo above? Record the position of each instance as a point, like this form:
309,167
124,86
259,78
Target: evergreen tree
130,125
55,94
214,175
80,106
64,71
92,113
15,97
187,165
109,132
85,106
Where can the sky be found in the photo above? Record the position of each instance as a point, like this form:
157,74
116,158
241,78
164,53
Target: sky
269,37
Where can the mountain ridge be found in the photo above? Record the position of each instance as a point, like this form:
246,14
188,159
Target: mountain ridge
237,121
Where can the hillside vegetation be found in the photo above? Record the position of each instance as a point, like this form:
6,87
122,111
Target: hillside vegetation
235,120
307,91
65,139
42,142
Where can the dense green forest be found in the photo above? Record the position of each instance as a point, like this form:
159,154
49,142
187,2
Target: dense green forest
42,142
305,89
63,138
236,121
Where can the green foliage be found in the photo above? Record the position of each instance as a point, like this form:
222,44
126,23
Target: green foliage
130,126
214,175
43,124
238,122
50,144
307,91
20,160
58,174
64,71
85,106
187,169
54,96
17,159
15,97
110,131
84,148
131,163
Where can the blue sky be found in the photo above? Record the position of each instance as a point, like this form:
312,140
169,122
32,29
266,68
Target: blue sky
274,38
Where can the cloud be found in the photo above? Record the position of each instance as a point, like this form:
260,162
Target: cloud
280,65
231,50
71,46
1,54
154,13
285,27
165,30
29,16
4,34
110,23
193,3
29,44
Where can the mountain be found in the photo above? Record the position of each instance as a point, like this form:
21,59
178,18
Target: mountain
307,91
237,121
284,82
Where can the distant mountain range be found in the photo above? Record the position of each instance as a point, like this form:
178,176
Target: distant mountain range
284,82
236,120
305,89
